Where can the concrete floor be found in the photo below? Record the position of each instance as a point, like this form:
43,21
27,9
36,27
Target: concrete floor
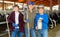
58,33
52,33
55,32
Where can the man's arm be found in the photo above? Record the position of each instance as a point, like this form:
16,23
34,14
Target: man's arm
10,18
46,19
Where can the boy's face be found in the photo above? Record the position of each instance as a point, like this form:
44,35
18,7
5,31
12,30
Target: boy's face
15,8
41,10
31,7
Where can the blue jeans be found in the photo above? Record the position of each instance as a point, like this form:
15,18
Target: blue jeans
32,32
16,32
43,33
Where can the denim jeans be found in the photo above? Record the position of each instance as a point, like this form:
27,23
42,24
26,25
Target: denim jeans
43,33
32,32
16,32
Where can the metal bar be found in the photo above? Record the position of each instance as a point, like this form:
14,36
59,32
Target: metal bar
3,34
8,27
2,22
7,24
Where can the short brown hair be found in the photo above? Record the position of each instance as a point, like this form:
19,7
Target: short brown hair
16,6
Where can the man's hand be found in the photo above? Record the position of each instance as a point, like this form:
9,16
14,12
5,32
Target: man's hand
27,20
40,19
36,28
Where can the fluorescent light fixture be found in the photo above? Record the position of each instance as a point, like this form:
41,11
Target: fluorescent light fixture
7,2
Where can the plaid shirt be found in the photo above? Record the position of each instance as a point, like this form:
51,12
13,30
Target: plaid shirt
11,19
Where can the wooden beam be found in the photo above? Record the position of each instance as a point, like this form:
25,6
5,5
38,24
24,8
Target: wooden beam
54,2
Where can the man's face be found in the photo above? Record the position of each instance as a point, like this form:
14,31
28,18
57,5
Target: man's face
15,8
41,10
31,7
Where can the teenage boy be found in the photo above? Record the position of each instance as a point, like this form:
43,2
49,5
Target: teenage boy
16,20
30,20
41,23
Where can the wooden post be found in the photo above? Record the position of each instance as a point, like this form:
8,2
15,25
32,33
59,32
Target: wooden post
14,3
27,18
59,5
51,6
51,11
3,6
